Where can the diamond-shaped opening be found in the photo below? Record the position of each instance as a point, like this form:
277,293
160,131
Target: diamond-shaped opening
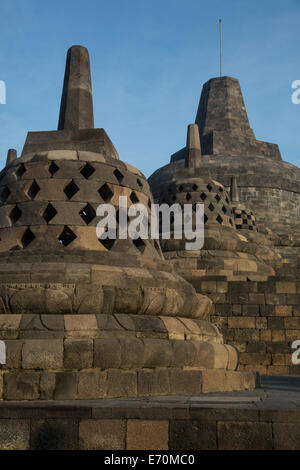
227,200
2,174
194,187
71,189
219,219
20,171
224,210
139,183
27,238
188,197
180,188
209,187
221,189
118,175
194,206
49,213
217,197
203,196
33,190
87,171
139,244
15,214
230,221
4,194
205,218
88,213
211,207
67,236
105,192
53,168
133,197
108,243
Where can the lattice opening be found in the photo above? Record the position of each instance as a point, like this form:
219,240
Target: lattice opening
87,171
88,213
217,198
224,210
53,168
119,176
194,187
221,189
139,244
188,197
4,194
67,236
211,207
105,192
133,197
20,171
205,218
230,221
3,174
15,215
219,219
209,187
139,183
49,213
27,238
108,243
180,188
71,189
203,196
33,190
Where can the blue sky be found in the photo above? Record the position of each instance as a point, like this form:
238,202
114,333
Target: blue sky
149,61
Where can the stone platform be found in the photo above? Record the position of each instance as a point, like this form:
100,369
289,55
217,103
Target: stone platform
263,419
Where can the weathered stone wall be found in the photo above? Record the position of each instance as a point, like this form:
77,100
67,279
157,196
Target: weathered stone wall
261,319
115,426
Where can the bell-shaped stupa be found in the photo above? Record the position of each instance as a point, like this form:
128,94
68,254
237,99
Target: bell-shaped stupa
83,317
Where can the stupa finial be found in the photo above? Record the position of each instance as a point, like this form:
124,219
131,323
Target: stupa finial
76,109
193,154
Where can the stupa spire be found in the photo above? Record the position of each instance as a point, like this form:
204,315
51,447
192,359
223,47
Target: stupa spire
193,147
76,109
234,195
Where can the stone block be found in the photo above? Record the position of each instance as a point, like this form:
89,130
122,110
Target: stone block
121,383
286,436
107,353
42,354
153,382
97,434
147,435
132,352
54,434
185,381
47,385
78,353
158,352
192,435
241,322
91,384
283,310
21,386
286,287
14,434
244,436
66,386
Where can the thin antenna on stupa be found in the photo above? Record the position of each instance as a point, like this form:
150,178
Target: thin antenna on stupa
220,28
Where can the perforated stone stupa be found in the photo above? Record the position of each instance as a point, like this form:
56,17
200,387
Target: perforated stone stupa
89,318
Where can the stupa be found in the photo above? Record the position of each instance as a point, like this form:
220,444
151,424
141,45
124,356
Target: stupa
82,317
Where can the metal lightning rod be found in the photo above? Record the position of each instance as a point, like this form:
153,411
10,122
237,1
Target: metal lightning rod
220,28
